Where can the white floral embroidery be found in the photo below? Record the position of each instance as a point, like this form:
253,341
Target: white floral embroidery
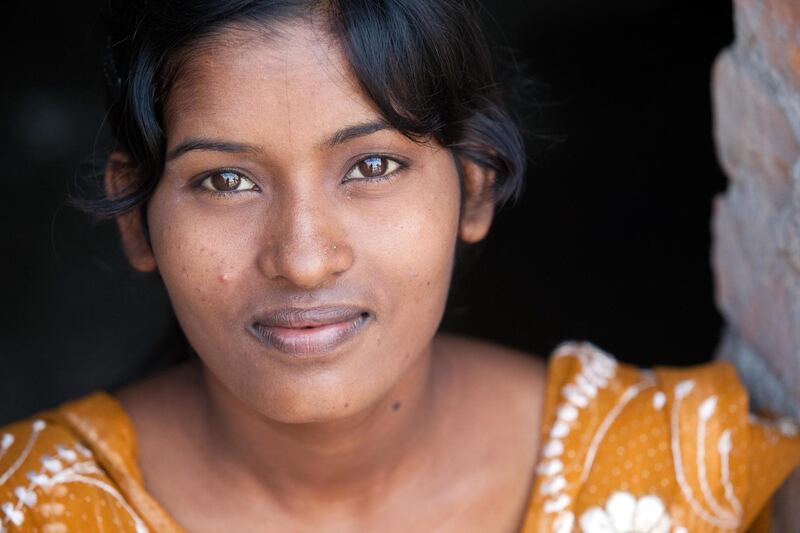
785,426
12,514
66,454
36,428
683,388
550,468
719,517
629,394
83,450
26,496
554,485
724,447
623,513
564,523
554,448
557,504
587,387
597,369
559,430
659,399
788,427
705,412
51,465
61,469
574,396
567,413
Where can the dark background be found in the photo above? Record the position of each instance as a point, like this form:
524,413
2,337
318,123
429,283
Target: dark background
610,243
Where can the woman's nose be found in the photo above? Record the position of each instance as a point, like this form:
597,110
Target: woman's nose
307,247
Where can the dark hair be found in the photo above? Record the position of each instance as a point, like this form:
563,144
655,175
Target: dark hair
424,63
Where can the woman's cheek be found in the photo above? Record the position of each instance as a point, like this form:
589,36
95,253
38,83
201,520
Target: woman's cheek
416,249
196,261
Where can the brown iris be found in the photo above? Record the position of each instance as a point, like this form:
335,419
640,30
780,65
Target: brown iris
372,167
226,181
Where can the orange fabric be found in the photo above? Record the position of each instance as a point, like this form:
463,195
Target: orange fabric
672,450
74,469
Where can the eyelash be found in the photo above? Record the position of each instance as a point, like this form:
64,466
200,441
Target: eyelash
401,165
223,194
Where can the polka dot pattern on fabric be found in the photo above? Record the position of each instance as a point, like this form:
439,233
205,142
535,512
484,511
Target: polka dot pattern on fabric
664,451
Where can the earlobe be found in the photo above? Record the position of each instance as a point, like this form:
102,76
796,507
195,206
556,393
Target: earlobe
117,179
478,203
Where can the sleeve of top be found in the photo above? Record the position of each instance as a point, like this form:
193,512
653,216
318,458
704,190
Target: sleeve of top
728,463
673,450
51,483
774,451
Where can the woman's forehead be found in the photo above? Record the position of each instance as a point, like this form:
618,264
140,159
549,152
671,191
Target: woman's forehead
284,86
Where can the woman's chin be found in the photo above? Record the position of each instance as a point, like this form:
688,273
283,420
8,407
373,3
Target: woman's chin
299,396
355,378
318,407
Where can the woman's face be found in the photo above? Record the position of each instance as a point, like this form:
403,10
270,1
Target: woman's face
306,246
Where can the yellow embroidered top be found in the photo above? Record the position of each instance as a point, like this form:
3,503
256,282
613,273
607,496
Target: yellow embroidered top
623,450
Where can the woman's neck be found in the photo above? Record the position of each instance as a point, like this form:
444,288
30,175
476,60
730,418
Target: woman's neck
348,462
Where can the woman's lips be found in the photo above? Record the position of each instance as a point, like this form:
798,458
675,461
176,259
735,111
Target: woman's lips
316,330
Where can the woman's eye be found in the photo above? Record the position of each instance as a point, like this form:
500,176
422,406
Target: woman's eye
373,167
227,181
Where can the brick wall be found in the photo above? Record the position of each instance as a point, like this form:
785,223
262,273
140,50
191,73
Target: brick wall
756,224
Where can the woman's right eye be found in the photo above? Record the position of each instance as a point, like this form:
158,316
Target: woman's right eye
227,181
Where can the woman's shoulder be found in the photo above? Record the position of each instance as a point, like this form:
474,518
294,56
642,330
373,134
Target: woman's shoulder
506,382
674,449
495,361
71,468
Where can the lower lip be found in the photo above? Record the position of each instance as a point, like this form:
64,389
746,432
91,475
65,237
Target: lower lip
309,341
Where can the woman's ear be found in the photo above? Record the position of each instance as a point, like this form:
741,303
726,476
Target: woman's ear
117,179
478,204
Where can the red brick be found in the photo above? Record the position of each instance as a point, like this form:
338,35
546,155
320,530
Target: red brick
756,224
772,27
754,138
756,282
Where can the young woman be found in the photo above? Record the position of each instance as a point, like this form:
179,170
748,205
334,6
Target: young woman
301,175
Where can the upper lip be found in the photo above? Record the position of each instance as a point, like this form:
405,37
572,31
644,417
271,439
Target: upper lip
295,317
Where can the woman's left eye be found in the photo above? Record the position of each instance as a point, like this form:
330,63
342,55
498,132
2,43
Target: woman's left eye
374,167
227,181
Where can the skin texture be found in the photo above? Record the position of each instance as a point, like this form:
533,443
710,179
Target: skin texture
393,420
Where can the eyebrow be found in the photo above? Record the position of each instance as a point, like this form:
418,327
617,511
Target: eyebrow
357,130
210,145
214,145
